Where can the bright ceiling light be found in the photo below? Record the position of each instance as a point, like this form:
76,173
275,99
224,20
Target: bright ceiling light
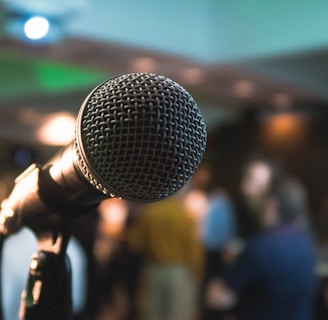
36,28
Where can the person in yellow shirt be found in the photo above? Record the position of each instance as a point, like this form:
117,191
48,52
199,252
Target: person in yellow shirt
165,235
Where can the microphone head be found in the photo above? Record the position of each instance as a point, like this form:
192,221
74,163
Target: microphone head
139,137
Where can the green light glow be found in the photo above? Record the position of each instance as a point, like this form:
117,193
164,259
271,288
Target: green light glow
21,76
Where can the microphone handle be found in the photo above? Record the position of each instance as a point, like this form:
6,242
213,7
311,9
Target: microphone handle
45,196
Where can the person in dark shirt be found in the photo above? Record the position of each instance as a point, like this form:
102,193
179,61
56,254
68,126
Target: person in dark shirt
273,277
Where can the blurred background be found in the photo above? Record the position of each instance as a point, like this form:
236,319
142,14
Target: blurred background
257,69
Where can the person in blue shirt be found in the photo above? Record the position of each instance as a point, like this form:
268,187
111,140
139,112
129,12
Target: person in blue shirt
219,223
273,277
218,230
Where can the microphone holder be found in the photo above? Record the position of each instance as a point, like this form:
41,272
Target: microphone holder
48,290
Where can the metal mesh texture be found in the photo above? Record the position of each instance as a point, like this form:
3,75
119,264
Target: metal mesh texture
141,136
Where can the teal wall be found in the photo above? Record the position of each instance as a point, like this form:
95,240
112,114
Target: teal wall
208,30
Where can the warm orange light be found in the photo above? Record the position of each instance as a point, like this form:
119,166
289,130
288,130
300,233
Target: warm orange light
285,129
244,88
193,75
58,130
143,64
195,201
113,213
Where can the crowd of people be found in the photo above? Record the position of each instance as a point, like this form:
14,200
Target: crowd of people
200,255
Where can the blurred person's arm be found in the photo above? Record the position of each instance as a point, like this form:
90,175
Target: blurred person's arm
232,250
219,296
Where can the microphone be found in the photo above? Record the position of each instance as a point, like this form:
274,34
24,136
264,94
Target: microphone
139,137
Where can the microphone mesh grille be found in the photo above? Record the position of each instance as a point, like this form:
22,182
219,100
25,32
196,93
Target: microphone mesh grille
142,137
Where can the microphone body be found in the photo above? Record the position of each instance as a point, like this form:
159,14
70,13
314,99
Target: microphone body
38,197
139,137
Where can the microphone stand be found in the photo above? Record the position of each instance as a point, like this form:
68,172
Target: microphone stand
2,239
36,202
48,290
